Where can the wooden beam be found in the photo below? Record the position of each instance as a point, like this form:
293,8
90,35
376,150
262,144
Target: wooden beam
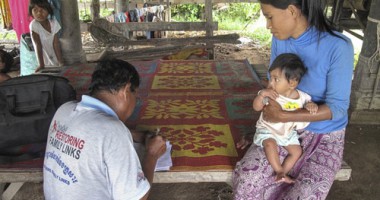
214,1
208,13
209,29
149,53
230,38
157,2
156,26
111,36
35,175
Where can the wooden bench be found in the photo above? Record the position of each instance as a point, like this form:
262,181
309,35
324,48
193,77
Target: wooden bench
17,177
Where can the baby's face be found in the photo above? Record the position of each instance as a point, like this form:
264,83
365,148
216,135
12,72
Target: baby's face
278,82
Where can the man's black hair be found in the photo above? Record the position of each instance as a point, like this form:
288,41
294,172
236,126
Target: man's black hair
111,75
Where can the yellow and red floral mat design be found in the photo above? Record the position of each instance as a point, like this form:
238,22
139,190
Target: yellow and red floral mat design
201,106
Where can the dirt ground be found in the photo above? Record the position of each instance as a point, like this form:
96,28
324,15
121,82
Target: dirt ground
361,153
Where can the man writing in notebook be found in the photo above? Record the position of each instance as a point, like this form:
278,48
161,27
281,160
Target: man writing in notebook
90,153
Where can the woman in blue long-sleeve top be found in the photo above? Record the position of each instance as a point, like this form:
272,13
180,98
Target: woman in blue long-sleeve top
299,27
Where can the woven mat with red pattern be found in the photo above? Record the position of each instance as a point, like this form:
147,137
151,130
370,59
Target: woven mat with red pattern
201,106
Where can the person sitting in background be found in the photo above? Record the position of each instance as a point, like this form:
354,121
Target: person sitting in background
4,77
44,31
89,147
6,61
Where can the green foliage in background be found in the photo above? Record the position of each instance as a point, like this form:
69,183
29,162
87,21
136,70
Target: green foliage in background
11,35
230,16
234,16
356,57
187,12
85,14
261,34
104,12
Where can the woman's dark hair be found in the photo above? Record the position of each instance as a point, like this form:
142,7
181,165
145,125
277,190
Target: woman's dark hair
313,10
7,59
40,3
111,75
291,65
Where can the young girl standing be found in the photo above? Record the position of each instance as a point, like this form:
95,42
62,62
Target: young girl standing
44,29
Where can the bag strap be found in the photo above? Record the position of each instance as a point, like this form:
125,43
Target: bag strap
11,101
44,101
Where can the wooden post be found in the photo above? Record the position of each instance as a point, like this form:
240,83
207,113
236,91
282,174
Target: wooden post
71,39
365,97
95,9
209,28
168,15
337,11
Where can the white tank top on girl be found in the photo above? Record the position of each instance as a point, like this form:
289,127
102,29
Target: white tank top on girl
47,38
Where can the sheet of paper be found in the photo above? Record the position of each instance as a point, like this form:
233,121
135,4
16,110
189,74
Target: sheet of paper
165,161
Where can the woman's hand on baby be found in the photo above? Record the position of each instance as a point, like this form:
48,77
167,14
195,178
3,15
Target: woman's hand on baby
272,112
311,107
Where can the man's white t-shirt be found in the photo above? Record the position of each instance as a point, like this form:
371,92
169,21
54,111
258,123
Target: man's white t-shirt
90,155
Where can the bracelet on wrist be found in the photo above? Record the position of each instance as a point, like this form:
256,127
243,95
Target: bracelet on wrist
259,92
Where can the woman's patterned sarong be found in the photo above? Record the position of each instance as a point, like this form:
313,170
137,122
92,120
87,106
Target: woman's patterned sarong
314,172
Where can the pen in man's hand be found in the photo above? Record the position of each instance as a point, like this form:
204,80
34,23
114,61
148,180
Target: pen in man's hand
157,132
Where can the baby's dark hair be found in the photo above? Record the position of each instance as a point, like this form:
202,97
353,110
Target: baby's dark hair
291,65
111,75
7,59
40,3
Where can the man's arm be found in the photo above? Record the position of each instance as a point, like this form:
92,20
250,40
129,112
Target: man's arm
155,148
138,136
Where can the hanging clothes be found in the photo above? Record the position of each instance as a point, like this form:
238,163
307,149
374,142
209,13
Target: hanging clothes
6,14
20,18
